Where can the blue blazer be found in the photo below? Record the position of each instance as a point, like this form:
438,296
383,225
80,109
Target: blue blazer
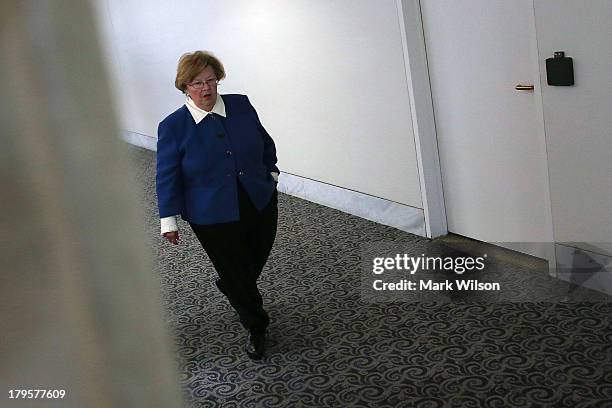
199,165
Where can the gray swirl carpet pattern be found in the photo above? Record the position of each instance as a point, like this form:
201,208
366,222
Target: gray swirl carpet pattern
330,348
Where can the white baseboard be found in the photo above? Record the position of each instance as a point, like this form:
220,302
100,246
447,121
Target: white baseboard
400,216
137,139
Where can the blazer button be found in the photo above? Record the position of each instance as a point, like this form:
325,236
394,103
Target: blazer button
241,173
228,152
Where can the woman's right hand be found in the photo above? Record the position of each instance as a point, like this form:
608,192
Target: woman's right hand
172,237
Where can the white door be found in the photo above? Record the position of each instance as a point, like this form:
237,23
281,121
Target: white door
490,135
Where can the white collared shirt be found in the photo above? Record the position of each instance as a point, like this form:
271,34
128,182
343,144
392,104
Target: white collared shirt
199,114
169,224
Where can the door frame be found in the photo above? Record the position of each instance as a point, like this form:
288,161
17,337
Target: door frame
423,122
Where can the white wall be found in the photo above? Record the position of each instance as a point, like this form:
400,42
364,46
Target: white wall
578,120
327,79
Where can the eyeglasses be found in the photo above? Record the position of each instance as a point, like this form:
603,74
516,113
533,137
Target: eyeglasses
200,84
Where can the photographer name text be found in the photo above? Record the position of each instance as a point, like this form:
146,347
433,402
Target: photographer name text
422,284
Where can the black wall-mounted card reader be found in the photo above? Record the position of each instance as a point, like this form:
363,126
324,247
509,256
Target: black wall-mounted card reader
560,70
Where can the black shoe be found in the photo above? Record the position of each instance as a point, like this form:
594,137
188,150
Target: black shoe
255,346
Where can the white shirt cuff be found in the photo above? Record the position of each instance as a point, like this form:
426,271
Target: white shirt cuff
274,175
168,224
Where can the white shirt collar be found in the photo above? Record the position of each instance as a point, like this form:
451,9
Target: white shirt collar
199,114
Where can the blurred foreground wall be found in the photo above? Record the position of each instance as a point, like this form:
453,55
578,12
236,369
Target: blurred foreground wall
80,301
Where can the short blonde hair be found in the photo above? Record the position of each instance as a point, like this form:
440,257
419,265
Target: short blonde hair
192,63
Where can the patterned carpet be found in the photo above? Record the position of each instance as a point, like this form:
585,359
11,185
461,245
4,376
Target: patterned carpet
330,347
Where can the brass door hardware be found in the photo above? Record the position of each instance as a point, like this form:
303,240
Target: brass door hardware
521,87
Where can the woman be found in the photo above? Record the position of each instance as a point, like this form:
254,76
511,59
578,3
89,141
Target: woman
216,168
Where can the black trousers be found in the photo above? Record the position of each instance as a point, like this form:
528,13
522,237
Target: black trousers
239,250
